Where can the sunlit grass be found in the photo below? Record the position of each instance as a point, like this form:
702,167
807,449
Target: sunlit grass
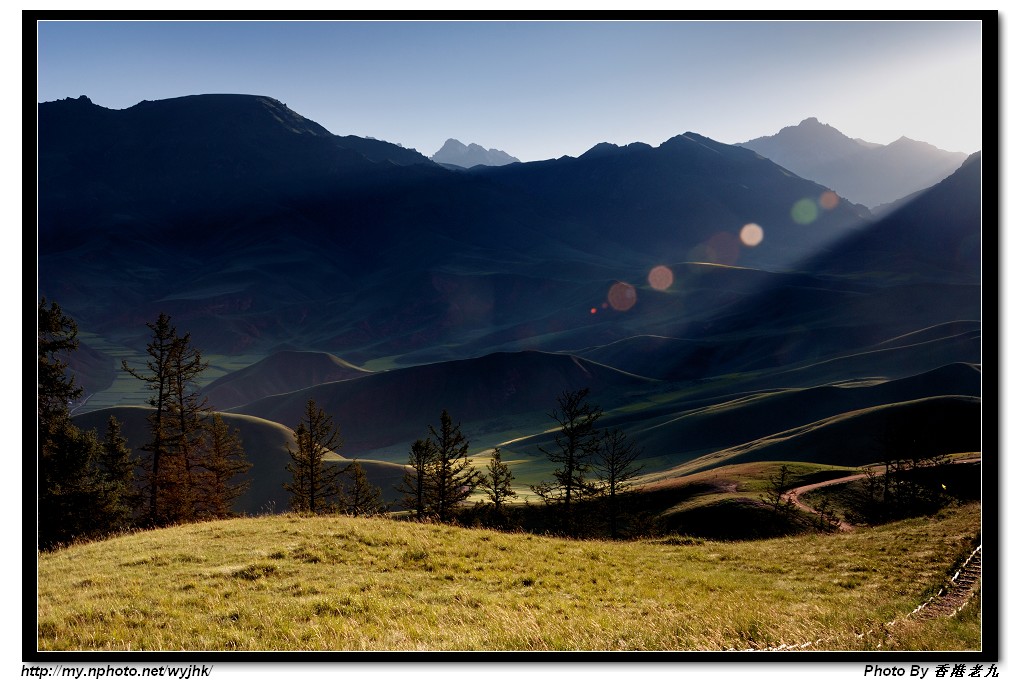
292,583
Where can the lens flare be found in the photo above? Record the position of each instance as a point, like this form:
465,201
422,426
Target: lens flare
829,200
660,277
752,234
622,296
804,212
594,310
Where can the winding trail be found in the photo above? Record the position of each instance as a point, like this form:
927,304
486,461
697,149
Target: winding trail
793,494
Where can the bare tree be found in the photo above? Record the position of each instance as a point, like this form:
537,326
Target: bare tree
616,469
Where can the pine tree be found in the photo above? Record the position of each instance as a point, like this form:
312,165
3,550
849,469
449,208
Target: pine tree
616,470
415,482
57,337
577,442
364,499
159,380
69,482
225,461
118,466
185,470
452,478
315,486
496,484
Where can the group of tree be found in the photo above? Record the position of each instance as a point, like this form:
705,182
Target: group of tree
317,485
91,486
911,478
596,468
193,461
86,485
440,477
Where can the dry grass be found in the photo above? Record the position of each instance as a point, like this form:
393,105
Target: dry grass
292,583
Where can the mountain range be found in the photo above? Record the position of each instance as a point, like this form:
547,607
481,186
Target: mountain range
456,153
388,287
863,172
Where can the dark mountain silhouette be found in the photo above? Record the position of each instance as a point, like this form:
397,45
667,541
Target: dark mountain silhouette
257,229
864,172
456,153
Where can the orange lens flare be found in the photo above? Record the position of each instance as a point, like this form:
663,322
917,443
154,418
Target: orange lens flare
660,277
622,296
751,234
829,200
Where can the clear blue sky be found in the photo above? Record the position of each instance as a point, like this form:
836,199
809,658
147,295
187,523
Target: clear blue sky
543,90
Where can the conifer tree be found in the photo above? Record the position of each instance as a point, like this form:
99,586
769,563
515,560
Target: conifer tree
415,482
496,484
315,486
185,469
76,497
577,442
118,466
452,478
57,337
225,461
159,381
364,499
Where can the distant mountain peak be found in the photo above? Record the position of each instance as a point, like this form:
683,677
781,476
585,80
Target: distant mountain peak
860,171
456,153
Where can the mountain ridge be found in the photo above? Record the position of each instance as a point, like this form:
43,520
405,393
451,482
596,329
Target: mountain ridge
865,172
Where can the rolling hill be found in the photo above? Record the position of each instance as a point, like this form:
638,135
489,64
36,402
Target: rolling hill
281,372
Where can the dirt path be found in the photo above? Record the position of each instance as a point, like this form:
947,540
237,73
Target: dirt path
793,495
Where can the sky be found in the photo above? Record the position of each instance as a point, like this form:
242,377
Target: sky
540,90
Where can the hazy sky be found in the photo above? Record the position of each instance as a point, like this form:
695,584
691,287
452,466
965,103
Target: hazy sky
543,90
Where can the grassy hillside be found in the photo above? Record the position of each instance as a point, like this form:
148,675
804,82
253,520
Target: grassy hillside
329,583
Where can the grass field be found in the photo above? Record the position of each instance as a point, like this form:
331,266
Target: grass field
337,583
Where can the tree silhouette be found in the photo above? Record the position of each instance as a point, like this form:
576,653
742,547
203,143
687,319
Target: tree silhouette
364,499
118,466
616,469
577,442
415,482
496,484
452,478
315,487
159,380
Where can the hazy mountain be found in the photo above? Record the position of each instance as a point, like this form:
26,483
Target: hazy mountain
864,172
455,153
